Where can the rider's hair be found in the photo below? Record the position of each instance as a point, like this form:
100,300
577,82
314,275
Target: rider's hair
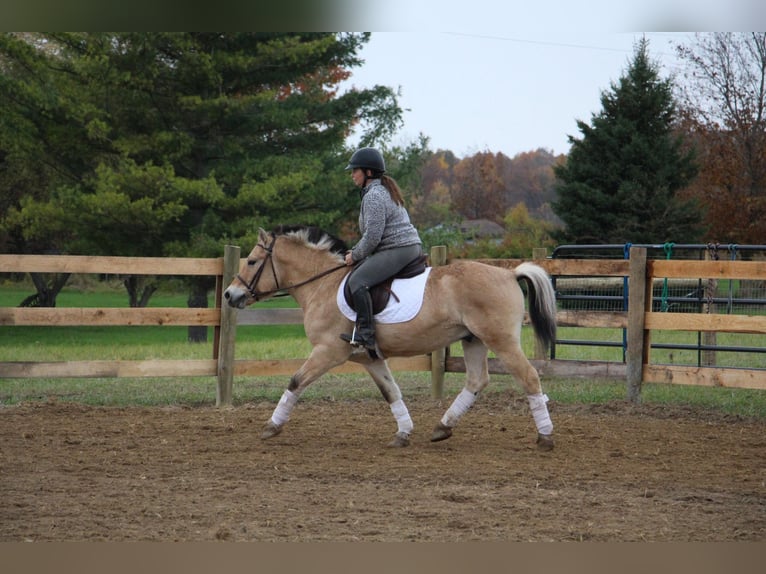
393,189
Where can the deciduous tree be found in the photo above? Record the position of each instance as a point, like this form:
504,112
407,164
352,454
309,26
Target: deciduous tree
723,97
478,189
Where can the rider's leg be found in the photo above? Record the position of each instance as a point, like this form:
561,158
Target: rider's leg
364,332
373,270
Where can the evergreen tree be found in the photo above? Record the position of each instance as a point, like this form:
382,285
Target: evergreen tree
174,144
621,181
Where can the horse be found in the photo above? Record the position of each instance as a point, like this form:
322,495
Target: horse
480,305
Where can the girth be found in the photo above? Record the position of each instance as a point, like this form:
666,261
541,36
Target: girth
381,293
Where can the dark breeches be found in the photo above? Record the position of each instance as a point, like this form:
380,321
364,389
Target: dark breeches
381,265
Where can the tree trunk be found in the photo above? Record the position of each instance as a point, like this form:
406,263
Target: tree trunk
134,284
197,299
47,291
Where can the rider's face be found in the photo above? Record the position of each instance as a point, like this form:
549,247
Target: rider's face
357,175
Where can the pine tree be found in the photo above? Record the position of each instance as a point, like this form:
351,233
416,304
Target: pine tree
621,180
175,143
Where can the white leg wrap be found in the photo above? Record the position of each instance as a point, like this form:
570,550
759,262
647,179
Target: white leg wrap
402,416
458,408
282,413
540,413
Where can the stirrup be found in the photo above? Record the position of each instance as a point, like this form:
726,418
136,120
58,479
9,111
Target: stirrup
371,347
358,342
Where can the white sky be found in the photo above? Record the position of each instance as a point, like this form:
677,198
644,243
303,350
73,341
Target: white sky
510,76
510,93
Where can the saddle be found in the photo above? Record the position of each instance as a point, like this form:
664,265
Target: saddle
381,293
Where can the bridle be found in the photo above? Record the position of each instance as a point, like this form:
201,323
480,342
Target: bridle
251,286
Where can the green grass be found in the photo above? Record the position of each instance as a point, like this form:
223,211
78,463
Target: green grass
201,391
288,341
89,294
25,343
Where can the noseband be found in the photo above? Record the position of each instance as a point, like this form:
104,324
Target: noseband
255,294
251,286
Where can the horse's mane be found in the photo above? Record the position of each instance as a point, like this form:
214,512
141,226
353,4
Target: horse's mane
313,236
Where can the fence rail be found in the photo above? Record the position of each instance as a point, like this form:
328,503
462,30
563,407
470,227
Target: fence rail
223,319
639,320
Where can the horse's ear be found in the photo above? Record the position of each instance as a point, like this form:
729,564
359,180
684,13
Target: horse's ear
263,236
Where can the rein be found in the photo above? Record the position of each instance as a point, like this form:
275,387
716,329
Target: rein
255,294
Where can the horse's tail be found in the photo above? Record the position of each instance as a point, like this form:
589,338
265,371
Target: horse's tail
542,301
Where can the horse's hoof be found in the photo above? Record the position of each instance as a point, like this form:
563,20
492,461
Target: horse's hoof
270,430
544,442
401,439
441,432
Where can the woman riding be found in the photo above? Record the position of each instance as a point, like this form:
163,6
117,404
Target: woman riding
388,240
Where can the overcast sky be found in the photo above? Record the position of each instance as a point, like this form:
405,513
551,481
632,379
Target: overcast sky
474,75
513,76
510,93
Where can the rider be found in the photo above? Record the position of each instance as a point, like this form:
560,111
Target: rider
388,243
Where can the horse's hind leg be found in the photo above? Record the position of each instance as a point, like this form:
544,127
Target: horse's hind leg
519,366
383,378
477,378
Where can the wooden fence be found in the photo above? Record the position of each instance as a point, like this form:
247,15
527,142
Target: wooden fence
224,320
639,321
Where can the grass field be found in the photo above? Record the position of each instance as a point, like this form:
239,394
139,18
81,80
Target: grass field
288,341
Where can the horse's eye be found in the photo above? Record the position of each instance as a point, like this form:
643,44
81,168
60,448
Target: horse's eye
251,262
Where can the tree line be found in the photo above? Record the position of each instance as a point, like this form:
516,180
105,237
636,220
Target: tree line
173,144
679,159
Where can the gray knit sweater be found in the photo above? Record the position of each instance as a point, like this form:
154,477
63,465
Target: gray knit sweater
382,223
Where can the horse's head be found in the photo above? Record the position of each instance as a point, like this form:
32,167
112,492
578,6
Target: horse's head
257,279
266,273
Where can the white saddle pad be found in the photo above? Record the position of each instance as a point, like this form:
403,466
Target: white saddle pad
408,291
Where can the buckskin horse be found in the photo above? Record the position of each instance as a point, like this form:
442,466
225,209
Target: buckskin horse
480,305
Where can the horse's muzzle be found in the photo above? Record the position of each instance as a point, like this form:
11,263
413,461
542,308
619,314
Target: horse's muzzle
235,297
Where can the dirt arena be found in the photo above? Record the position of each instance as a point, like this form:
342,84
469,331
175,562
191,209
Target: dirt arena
618,473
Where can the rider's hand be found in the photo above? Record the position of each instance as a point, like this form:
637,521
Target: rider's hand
349,259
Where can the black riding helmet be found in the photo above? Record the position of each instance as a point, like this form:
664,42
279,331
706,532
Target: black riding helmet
367,158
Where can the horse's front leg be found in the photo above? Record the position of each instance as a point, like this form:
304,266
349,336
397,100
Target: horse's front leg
383,378
321,360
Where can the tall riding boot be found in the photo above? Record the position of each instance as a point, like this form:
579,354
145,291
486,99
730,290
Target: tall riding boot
364,332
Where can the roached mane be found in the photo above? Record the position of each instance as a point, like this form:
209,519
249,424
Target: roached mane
313,236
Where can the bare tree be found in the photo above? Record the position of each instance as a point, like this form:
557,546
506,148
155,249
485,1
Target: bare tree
723,97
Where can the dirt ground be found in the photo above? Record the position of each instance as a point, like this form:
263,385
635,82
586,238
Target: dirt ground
618,473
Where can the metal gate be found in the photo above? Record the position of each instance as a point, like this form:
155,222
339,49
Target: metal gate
703,295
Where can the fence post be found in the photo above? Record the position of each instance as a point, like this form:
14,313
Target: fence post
636,313
709,338
438,356
540,351
228,331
